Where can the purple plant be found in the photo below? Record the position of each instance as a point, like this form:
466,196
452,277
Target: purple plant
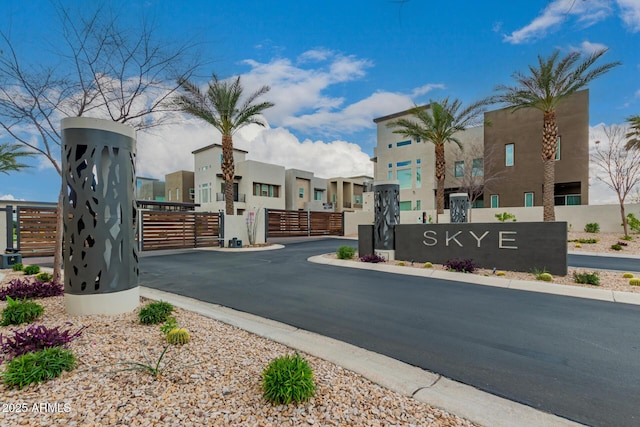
25,288
35,338
372,258
623,243
461,265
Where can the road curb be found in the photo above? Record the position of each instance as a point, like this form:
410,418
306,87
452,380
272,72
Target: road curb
424,386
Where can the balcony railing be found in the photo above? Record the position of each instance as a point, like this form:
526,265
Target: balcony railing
237,197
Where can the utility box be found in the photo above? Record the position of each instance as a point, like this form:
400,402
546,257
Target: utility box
8,260
235,243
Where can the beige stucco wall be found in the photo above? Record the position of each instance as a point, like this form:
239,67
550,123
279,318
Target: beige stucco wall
258,172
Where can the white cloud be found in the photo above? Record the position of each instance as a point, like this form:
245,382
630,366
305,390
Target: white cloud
588,47
422,90
630,13
587,13
9,197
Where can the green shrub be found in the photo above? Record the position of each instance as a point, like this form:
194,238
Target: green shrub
627,276
155,312
501,273
38,367
44,277
428,265
17,267
402,264
634,281
627,237
346,252
31,269
583,241
18,312
616,247
633,222
542,275
169,325
288,379
178,336
505,216
592,227
587,278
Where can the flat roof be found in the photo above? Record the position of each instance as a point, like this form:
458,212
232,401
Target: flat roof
400,114
215,145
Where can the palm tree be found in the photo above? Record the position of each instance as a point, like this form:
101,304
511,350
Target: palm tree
546,86
220,107
9,157
634,133
438,123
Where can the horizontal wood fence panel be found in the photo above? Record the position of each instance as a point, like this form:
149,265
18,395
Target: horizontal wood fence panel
178,230
283,223
36,231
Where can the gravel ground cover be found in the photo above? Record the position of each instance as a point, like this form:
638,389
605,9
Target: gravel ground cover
214,380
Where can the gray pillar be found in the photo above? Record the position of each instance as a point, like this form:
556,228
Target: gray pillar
386,207
459,207
100,217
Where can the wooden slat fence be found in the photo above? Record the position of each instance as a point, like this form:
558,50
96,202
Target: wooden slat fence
282,223
36,231
178,230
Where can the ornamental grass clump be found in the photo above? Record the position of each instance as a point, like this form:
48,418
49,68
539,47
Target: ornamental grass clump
288,379
38,367
346,252
18,312
35,338
30,270
586,278
25,288
155,312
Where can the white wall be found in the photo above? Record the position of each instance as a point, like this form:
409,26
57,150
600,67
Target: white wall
607,216
236,226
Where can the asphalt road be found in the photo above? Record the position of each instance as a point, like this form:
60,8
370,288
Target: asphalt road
576,358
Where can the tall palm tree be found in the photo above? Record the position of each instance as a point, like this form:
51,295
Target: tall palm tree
543,88
438,123
634,133
220,106
10,155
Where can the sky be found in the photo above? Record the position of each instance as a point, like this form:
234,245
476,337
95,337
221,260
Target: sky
335,65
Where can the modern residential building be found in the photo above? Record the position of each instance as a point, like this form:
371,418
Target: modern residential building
347,194
499,164
304,191
257,185
149,189
179,187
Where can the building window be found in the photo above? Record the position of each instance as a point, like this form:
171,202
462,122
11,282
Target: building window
220,158
528,200
404,176
405,206
418,205
417,139
419,177
508,154
192,193
390,145
458,169
266,190
478,167
357,199
177,195
317,194
169,195
335,198
390,176
205,193
495,201
403,143
301,193
390,165
558,149
405,163
568,200
418,161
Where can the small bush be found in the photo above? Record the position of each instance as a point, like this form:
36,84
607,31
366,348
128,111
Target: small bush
30,270
633,222
587,278
44,277
401,264
616,247
17,267
592,227
501,273
461,265
578,245
23,288
622,243
18,312
38,367
35,338
178,336
505,216
634,281
155,312
374,258
346,252
288,379
427,265
542,275
583,241
627,276
627,237
169,325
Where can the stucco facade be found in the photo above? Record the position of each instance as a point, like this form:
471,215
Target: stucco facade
347,194
179,187
304,191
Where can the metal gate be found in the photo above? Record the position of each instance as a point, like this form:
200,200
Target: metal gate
281,223
178,230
